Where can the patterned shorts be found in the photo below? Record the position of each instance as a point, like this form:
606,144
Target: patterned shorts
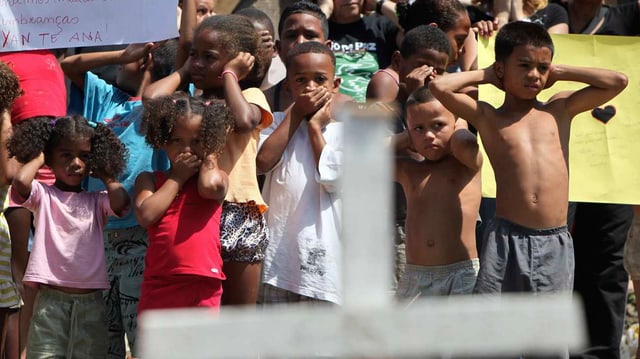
243,232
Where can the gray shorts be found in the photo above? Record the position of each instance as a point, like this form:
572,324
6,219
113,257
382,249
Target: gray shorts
68,325
423,281
520,259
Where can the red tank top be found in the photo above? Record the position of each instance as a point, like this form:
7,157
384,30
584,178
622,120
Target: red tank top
186,240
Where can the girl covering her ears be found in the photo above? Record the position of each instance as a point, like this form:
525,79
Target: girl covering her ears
67,262
222,54
181,207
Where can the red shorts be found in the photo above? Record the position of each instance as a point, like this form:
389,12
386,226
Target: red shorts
184,291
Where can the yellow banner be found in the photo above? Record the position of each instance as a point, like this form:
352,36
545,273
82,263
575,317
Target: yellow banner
604,154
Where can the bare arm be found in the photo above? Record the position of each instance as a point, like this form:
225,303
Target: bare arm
317,122
464,146
22,181
247,116
382,87
603,86
273,147
167,85
187,30
8,165
76,66
212,181
447,90
151,204
118,196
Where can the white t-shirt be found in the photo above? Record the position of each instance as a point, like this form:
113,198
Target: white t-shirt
305,215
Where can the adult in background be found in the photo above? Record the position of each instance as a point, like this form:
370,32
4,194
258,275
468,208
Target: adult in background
600,229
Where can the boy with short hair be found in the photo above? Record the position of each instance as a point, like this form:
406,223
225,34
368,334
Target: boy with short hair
301,154
443,193
299,22
527,247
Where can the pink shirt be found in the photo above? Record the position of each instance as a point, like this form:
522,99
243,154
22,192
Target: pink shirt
67,244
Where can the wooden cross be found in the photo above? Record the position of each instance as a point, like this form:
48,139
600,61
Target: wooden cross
369,324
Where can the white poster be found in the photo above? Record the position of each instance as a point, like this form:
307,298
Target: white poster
48,24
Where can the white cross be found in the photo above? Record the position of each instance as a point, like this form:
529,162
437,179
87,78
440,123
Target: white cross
369,324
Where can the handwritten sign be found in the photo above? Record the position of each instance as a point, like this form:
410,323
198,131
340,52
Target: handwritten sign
48,24
604,148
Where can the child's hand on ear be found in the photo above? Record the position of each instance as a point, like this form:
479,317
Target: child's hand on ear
553,76
186,165
419,77
491,77
135,52
241,65
310,101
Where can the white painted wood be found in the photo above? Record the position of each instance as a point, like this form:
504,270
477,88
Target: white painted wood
369,324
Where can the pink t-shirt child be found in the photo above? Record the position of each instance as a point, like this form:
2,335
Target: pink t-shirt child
68,249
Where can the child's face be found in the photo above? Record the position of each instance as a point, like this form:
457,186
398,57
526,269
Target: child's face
309,71
346,10
69,161
457,35
204,9
430,127
299,28
525,72
208,56
428,57
185,138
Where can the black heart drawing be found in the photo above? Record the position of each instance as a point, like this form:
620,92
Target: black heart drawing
604,114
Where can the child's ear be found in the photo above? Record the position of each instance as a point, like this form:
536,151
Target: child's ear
396,59
285,85
498,67
336,84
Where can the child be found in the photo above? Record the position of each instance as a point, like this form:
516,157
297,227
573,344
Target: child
9,296
443,198
527,247
424,53
67,263
265,72
119,107
181,207
221,56
44,96
299,22
301,155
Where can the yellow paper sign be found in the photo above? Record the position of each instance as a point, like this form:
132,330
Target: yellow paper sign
604,152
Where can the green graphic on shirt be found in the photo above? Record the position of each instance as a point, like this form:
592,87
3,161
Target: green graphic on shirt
355,69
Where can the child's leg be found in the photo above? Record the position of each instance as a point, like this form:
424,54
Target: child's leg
241,285
126,249
244,237
19,220
12,337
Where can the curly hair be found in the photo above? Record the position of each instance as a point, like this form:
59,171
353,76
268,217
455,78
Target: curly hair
161,114
236,32
33,136
444,13
9,87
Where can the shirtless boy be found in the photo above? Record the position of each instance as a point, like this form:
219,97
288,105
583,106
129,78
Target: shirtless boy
527,247
443,198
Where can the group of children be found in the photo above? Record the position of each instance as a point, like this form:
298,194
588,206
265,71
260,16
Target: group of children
156,200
